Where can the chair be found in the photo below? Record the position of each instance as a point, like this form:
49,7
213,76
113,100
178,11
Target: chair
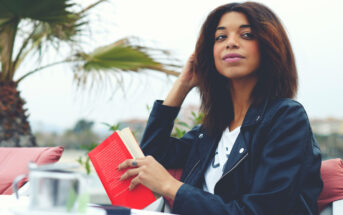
330,201
176,173
14,161
334,208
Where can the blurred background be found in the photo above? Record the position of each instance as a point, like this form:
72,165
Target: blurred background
72,71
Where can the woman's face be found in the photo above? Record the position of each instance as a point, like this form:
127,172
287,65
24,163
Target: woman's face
236,50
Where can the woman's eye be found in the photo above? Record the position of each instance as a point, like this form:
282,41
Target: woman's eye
220,37
248,36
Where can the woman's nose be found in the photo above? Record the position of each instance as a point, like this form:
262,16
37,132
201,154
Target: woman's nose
232,43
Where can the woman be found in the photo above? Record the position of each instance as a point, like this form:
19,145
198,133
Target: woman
255,152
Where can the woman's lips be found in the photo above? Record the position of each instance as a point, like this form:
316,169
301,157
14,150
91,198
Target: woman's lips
232,58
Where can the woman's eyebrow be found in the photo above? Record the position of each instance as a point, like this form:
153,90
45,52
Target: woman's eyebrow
245,26
224,28
220,28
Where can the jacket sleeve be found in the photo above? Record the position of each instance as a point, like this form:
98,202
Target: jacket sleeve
157,142
283,164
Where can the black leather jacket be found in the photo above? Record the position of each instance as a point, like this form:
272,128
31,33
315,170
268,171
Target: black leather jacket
273,168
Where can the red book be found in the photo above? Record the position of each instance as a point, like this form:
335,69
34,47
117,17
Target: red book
106,157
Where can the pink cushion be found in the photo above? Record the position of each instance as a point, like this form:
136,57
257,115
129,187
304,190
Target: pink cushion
332,176
14,162
176,173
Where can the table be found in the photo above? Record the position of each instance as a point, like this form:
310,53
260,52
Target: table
9,205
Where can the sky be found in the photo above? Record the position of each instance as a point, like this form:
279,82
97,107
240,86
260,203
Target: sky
54,101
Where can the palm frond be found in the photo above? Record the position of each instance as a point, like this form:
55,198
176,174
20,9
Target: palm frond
117,56
51,11
3,21
52,23
122,56
56,17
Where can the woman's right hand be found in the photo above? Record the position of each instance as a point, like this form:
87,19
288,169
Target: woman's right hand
188,77
185,82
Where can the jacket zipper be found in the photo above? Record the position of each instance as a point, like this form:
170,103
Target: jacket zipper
192,170
234,167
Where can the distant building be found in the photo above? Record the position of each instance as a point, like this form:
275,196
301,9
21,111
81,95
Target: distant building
327,126
319,126
138,125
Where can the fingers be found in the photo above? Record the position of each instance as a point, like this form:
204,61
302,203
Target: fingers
128,163
134,163
191,62
192,55
132,172
129,173
143,165
134,183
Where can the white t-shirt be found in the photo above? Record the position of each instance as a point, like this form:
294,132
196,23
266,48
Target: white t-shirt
215,169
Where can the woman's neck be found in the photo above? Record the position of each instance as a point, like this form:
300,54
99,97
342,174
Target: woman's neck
241,99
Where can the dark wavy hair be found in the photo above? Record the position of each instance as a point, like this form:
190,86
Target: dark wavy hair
277,73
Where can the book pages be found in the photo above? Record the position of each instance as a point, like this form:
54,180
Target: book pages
130,142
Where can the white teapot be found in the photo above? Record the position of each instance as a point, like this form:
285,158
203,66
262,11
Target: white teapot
53,188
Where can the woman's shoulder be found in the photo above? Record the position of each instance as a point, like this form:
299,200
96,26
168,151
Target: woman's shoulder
285,106
285,103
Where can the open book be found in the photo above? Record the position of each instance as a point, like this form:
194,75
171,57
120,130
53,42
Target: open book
106,157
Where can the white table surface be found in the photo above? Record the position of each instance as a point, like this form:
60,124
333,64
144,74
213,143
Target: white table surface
9,205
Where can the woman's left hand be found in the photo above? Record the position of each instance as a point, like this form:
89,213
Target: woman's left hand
150,173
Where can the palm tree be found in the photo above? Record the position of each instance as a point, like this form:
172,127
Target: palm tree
28,27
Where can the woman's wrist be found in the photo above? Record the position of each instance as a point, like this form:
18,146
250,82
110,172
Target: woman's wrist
171,188
177,94
183,87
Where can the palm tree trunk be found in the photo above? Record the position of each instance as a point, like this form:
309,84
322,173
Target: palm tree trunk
15,131
8,35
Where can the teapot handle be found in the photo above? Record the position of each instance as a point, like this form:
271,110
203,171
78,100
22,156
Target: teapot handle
15,184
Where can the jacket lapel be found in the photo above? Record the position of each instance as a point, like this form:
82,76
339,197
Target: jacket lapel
241,146
239,150
205,148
